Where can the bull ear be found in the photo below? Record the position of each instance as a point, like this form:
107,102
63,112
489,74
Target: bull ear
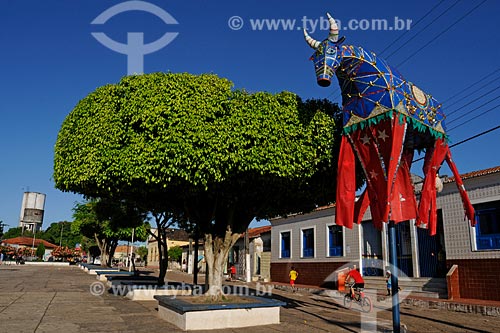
311,41
334,29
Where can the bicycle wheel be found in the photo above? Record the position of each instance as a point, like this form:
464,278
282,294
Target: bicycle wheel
366,304
347,301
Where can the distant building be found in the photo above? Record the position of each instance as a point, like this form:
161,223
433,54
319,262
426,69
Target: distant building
259,249
29,242
32,210
175,237
122,253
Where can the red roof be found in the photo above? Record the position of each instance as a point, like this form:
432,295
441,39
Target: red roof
256,232
474,174
28,241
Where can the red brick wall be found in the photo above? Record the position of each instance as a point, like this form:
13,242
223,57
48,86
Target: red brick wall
478,278
314,274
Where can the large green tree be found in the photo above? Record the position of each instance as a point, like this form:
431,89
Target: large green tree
60,233
108,222
190,147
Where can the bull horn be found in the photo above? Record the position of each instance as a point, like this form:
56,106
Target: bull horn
311,41
334,29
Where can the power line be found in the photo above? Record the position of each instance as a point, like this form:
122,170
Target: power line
424,28
470,86
475,99
464,141
471,119
473,92
476,108
440,34
475,136
414,25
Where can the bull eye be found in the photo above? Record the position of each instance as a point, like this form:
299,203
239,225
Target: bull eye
331,50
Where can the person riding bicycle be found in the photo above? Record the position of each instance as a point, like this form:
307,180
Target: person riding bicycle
354,275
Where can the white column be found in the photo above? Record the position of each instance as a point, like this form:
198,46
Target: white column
414,248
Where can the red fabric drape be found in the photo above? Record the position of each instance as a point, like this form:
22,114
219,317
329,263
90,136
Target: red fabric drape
427,208
346,185
469,210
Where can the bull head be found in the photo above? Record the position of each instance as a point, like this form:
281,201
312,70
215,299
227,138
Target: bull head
328,54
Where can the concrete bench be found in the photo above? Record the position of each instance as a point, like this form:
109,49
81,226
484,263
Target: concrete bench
103,275
135,279
147,292
93,271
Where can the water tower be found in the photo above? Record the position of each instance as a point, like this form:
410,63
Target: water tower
32,209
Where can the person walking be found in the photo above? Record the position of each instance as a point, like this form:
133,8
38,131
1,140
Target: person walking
388,282
293,276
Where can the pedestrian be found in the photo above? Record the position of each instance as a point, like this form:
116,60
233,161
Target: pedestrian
1,258
388,282
293,276
232,271
184,265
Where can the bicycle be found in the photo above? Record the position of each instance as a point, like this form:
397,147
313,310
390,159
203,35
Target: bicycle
359,297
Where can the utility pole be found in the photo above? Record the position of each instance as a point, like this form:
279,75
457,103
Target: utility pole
247,258
393,258
131,250
60,238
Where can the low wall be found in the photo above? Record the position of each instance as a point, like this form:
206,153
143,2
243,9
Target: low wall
453,283
311,273
44,263
478,278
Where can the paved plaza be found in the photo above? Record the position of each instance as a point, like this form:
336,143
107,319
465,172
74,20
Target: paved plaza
58,299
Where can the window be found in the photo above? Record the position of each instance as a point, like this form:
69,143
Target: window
335,241
308,243
285,244
488,226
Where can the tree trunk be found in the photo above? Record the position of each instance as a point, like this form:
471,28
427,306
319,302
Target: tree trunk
112,244
162,256
103,247
216,254
161,240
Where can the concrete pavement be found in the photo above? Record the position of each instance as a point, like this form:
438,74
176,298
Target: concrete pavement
58,299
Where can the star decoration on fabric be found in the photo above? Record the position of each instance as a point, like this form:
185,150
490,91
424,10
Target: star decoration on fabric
373,174
382,135
365,139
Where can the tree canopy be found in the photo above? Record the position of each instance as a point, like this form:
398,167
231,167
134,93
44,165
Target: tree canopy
164,131
191,146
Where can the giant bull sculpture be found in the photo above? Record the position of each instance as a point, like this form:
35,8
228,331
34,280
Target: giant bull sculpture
385,118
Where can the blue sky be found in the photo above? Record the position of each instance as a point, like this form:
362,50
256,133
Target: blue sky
50,61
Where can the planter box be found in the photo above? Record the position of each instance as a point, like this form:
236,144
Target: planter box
189,316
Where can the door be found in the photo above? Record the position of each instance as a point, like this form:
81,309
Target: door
371,248
403,245
431,250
